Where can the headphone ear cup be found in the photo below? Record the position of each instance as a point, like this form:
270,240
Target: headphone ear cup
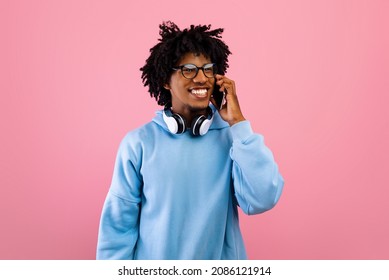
174,122
196,125
201,125
180,123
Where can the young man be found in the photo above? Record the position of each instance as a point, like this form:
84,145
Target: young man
178,179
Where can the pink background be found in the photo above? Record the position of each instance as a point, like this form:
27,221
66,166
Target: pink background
312,77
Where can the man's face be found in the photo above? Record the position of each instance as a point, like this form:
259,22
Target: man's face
191,95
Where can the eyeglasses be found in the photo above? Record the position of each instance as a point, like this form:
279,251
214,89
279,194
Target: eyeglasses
190,71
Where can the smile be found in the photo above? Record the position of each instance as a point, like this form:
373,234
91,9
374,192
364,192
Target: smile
199,92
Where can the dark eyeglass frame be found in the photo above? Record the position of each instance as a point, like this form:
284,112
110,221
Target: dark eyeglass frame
191,66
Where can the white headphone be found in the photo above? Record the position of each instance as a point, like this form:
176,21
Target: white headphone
176,123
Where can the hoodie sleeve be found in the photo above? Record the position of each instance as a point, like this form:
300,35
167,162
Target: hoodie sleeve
119,223
257,181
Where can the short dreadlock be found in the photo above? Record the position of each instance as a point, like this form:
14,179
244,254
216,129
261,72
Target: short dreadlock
174,44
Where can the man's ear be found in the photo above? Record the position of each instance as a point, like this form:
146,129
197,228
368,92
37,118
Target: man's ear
166,86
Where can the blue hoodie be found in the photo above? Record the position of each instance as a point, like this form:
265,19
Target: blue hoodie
176,196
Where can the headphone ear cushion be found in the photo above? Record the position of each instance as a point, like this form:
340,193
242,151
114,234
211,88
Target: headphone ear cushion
196,124
174,122
180,123
201,125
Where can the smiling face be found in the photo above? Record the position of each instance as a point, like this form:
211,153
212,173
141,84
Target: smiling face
190,97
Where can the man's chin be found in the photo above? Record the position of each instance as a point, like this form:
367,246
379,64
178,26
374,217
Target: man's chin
199,108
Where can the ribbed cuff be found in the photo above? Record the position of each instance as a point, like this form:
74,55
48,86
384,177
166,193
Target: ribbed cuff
241,131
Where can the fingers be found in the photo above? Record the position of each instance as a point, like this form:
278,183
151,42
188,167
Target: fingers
231,112
225,84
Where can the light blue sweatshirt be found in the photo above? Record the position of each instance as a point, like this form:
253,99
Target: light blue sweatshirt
176,196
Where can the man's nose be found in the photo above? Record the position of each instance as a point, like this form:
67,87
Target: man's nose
200,77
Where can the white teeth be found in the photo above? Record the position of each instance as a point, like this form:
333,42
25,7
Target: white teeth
199,92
